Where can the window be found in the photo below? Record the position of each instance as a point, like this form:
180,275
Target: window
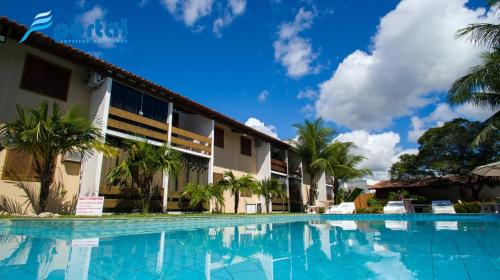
137,102
46,78
246,146
18,166
219,137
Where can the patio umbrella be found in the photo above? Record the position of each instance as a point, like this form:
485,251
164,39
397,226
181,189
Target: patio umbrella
492,169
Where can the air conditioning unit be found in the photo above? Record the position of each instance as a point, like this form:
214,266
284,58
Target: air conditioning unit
93,80
72,157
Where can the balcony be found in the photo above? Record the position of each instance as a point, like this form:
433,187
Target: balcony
278,166
127,122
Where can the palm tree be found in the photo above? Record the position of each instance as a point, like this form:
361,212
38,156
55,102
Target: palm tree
342,165
243,184
270,188
45,134
481,86
201,195
142,161
312,146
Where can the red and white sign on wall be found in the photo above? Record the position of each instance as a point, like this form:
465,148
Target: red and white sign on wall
89,205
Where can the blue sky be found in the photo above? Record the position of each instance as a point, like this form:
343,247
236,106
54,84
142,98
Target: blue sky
377,71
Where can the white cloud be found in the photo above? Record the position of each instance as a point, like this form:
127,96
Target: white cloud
381,150
81,3
89,17
443,113
307,94
234,9
189,11
262,127
293,51
414,54
263,96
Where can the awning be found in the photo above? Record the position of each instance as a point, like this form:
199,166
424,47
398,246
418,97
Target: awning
492,169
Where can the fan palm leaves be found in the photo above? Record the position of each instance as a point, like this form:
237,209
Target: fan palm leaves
342,165
271,188
45,133
201,195
237,186
481,85
142,161
312,146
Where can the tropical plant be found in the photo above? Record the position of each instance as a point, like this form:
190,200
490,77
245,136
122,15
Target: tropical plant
244,184
342,165
200,196
142,161
481,86
45,134
271,188
312,145
446,150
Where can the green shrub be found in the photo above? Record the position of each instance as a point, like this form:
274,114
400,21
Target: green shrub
468,207
378,209
373,202
321,210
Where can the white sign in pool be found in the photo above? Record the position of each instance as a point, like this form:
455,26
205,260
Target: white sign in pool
89,205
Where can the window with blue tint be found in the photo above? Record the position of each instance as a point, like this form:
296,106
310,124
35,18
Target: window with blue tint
137,102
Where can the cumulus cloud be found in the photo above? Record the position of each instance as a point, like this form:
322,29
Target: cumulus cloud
189,11
262,127
234,9
307,94
381,150
414,54
293,51
307,110
263,96
89,17
444,113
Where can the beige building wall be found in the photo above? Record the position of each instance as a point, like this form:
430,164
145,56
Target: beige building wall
230,159
12,56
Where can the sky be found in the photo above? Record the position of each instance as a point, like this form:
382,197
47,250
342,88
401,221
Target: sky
376,71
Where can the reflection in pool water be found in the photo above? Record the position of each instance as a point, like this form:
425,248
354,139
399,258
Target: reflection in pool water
311,249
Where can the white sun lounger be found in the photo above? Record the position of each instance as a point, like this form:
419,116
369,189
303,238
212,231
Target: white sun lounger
342,208
442,207
395,207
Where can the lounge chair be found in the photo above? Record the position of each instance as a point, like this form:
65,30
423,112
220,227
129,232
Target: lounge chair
342,208
344,224
442,207
395,207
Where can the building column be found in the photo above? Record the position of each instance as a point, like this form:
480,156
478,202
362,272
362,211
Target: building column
169,141
211,161
287,181
321,188
91,168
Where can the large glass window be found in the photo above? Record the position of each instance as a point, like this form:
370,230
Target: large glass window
137,102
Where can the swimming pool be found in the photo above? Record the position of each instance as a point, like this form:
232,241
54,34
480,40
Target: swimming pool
262,247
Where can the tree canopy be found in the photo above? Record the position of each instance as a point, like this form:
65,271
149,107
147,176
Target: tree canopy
447,150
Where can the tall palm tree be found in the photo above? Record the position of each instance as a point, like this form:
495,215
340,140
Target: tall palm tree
47,133
342,165
481,86
271,188
243,184
201,195
142,161
312,146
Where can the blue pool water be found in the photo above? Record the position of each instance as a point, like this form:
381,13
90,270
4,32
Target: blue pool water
291,247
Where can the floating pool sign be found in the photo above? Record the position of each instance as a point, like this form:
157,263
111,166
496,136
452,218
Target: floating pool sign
89,205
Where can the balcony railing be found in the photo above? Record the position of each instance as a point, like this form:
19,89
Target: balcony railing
135,124
191,141
278,165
